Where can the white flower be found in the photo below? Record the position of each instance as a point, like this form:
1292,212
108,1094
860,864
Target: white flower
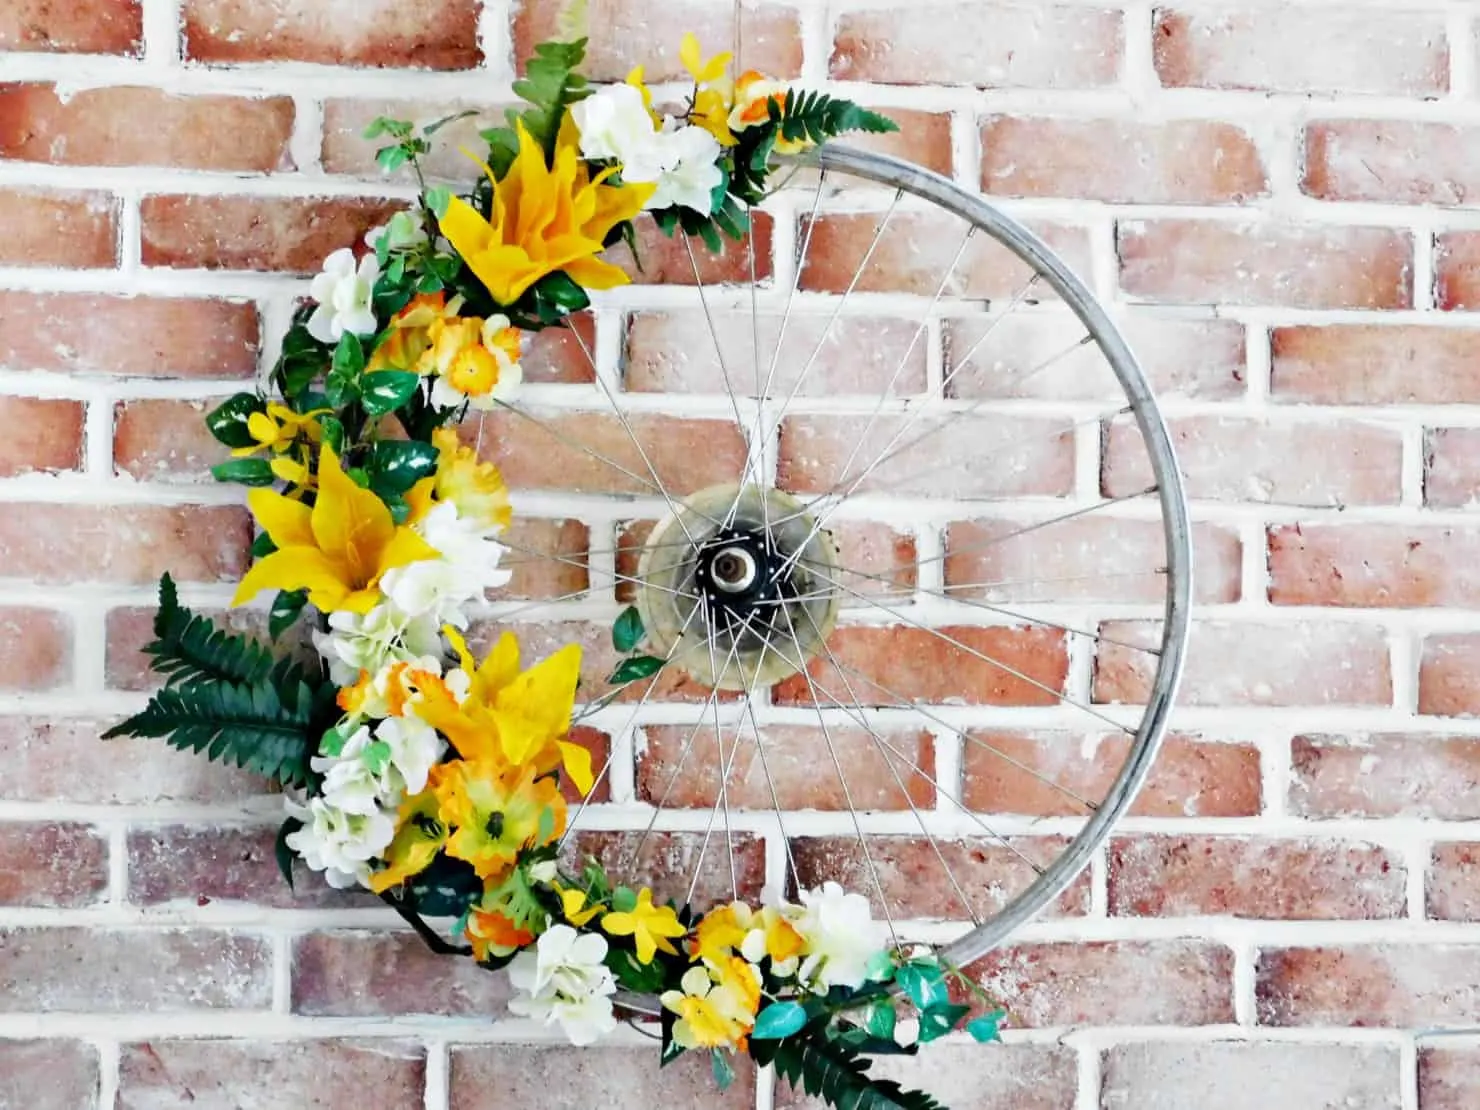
406,232
373,641
684,163
343,293
614,123
840,937
339,843
543,872
350,783
443,588
563,980
415,749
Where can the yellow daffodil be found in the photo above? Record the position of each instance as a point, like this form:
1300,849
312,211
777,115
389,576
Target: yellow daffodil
512,716
711,111
710,1014
649,926
755,934
573,905
712,91
278,428
744,980
544,220
720,932
492,934
292,471
418,840
753,93
497,812
337,551
702,70
476,488
409,335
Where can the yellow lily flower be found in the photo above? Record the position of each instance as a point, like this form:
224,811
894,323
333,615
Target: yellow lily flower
337,551
418,840
649,926
496,811
544,220
573,903
476,488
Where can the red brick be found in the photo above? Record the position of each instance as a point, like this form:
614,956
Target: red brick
41,434
923,138
547,558
990,45
134,970
1270,1075
288,234
916,878
668,861
1453,883
1088,558
492,1077
794,759
1180,162
1288,265
100,127
313,1075
664,261
345,149
1386,775
1226,876
1225,458
1012,1077
1271,49
1451,468
199,865
48,1075
65,228
1376,365
688,454
676,353
127,630
1169,982
1037,356
986,455
1005,772
1456,258
165,441
73,26
63,760
435,34
52,865
1027,666
1448,1078
356,973
1373,566
1446,683
916,253
1389,161
562,354
627,33
35,648
124,543
1385,986
1253,664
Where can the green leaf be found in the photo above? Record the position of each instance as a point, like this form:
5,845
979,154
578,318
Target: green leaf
827,1067
634,669
634,975
333,433
228,420
246,472
545,830
286,608
281,850
437,125
438,197
397,465
937,1021
627,632
391,158
387,390
349,354
550,86
262,546
987,1028
376,756
881,967
779,1019
880,1020
624,899
924,983
724,1074
189,648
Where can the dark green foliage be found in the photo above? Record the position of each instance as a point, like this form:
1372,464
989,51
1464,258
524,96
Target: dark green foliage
627,632
188,648
445,889
304,359
634,669
281,850
815,116
228,420
245,472
286,608
550,86
825,1067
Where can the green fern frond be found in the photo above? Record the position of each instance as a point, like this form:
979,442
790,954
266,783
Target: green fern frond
826,1068
550,86
816,116
189,648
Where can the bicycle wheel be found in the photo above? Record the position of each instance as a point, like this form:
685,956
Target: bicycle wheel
888,596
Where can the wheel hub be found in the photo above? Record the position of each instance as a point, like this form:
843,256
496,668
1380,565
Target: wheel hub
739,586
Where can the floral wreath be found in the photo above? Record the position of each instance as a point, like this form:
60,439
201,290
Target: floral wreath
434,779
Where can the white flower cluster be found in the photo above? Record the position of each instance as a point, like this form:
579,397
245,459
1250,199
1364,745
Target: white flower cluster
682,159
840,935
563,980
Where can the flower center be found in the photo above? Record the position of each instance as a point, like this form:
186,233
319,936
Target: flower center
474,372
495,826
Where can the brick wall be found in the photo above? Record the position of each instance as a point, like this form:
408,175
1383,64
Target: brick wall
1276,195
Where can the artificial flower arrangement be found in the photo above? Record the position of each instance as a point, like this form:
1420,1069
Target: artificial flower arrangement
408,766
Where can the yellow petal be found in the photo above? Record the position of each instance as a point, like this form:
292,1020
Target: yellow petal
690,54
419,498
286,522
592,273
349,522
459,645
464,228
297,568
500,667
405,547
577,761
